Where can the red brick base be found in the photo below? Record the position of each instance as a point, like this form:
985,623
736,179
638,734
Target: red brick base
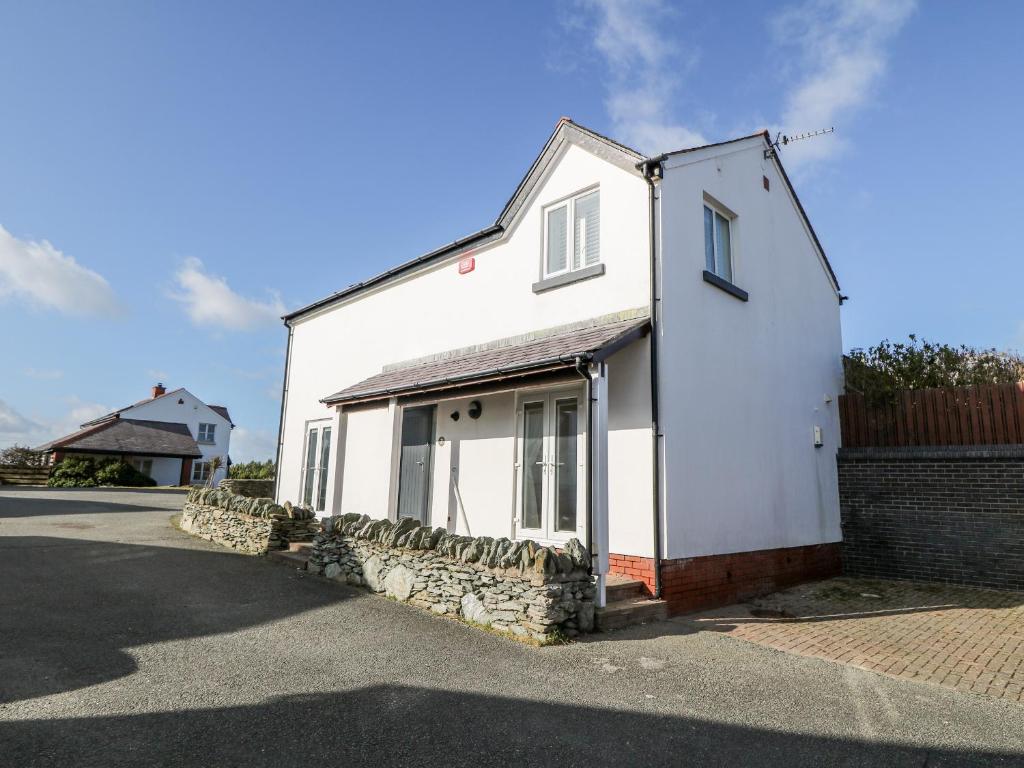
697,583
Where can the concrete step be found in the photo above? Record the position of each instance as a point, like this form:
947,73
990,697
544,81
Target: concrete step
618,587
300,546
625,613
289,557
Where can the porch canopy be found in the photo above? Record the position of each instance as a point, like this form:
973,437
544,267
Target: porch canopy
550,352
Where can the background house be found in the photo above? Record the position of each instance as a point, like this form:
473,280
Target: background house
169,436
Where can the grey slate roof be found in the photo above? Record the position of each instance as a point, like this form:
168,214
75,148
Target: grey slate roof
221,410
130,436
547,350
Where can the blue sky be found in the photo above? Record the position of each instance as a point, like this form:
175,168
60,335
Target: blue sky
174,175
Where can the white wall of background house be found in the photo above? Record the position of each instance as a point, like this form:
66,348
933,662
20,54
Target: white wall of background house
192,412
437,309
744,383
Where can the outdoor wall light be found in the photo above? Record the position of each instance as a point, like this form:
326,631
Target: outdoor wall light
475,409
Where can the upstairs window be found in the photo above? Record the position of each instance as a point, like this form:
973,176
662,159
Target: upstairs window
717,242
572,234
206,432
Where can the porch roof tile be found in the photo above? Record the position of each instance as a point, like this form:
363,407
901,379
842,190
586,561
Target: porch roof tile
548,350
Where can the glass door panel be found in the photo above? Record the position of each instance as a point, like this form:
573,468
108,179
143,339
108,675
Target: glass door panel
533,465
309,478
325,457
565,469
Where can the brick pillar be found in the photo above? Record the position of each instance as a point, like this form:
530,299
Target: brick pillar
186,472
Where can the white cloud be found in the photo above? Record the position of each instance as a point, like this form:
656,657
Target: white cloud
210,302
44,374
253,445
42,275
645,74
841,45
16,428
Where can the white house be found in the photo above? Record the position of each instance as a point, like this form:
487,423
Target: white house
170,436
643,353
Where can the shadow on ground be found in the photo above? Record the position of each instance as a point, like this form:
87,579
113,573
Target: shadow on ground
391,725
22,501
78,604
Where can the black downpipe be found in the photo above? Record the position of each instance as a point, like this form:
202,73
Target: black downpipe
280,423
581,368
656,473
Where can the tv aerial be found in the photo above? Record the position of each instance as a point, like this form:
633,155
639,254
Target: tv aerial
782,140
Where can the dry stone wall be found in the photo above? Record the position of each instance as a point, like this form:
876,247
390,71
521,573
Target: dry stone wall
249,525
518,587
254,489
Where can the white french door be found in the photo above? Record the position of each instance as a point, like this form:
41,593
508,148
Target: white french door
551,465
315,464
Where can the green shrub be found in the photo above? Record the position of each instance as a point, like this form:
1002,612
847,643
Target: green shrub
116,472
252,470
20,456
77,472
880,372
73,472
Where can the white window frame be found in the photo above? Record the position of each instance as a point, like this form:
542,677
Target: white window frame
569,203
547,533
211,432
716,207
321,473
203,469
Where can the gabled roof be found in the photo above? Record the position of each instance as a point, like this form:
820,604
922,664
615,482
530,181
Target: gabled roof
565,130
221,410
115,414
544,351
130,436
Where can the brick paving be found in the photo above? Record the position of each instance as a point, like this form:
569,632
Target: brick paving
958,637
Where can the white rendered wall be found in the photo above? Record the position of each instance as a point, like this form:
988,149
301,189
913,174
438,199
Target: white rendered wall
365,484
438,309
744,383
191,412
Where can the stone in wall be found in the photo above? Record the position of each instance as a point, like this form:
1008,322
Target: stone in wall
251,525
253,489
514,586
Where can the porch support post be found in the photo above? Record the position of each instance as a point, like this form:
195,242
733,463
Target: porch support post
599,476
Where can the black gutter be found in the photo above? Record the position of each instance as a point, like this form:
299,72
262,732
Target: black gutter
284,398
582,369
447,250
648,167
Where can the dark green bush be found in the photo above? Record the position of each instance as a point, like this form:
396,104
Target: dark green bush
116,472
880,372
73,472
252,470
77,472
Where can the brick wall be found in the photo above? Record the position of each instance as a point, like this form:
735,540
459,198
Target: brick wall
950,515
697,583
635,567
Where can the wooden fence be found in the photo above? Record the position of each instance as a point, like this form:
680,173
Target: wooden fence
23,475
982,415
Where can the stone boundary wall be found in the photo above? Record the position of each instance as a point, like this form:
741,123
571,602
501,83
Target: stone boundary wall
518,587
948,515
253,526
253,489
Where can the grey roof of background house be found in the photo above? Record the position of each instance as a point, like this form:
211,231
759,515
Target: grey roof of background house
553,348
130,436
221,410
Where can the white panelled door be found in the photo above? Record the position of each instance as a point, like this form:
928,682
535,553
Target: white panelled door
551,465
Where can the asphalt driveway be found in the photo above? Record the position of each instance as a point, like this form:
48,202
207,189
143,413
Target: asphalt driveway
126,642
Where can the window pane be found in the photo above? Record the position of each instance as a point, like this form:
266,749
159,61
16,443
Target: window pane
325,457
587,242
723,247
310,474
565,465
533,463
557,236
709,240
